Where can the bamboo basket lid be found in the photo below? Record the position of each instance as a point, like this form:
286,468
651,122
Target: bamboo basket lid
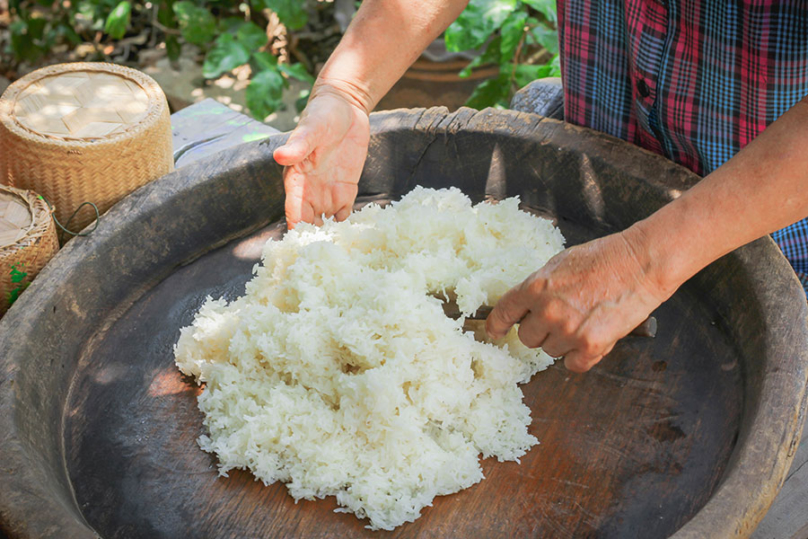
82,105
27,241
84,132
16,218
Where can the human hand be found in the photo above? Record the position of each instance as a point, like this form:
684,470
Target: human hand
324,157
583,300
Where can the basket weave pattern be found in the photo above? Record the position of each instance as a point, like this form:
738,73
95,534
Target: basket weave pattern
30,254
84,132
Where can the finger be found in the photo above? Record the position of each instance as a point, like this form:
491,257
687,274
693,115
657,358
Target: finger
293,205
296,149
587,355
510,309
343,213
299,206
598,334
303,140
532,330
577,361
556,345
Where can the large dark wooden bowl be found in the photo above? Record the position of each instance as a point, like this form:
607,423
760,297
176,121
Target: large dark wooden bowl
689,434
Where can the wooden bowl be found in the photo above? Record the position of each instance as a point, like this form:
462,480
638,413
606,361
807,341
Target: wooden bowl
688,434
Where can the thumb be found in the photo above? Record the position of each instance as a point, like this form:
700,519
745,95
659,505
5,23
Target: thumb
297,148
310,131
509,310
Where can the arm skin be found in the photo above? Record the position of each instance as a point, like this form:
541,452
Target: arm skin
589,296
325,153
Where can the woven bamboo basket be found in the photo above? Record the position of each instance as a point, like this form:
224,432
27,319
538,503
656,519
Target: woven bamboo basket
27,241
84,132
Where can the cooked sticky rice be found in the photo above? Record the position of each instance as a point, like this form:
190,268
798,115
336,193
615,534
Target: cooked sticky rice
338,372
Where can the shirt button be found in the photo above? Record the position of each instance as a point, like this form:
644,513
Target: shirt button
642,88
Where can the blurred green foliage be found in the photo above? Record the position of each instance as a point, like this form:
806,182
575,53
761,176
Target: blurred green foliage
232,33
505,30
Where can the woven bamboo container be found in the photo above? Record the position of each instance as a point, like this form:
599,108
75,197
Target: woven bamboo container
27,241
84,132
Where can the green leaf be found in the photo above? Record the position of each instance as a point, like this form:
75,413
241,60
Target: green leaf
292,13
165,15
22,43
512,30
18,27
477,22
13,295
36,28
264,93
51,37
263,60
173,48
16,275
197,24
544,36
90,10
251,36
296,71
490,56
490,93
555,64
226,55
525,74
545,7
230,24
66,31
118,20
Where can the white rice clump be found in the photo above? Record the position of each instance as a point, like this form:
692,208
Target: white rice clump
338,372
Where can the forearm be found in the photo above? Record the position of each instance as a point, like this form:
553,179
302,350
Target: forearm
761,189
383,40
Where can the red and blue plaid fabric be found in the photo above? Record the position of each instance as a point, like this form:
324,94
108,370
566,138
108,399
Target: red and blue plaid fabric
693,80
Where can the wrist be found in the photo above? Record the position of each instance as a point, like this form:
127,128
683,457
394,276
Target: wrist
354,93
664,266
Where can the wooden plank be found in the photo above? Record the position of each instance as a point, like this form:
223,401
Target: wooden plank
544,97
208,127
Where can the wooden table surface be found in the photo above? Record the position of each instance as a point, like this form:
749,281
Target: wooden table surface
208,127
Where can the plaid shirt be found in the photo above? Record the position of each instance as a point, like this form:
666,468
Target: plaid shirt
692,80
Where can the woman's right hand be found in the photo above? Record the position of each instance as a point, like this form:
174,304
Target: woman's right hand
324,156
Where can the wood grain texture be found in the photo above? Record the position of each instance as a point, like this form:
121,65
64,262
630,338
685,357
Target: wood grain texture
544,97
788,516
208,127
690,433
